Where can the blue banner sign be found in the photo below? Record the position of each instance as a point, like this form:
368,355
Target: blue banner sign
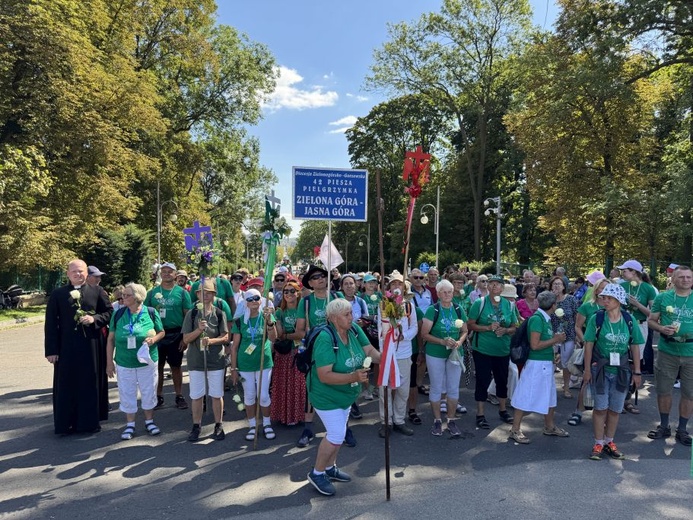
330,194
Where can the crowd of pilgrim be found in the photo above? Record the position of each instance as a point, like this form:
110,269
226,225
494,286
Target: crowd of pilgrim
593,334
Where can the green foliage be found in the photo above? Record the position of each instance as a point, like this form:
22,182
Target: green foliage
107,253
137,257
311,235
100,100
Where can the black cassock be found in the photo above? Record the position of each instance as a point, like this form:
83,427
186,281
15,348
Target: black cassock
80,385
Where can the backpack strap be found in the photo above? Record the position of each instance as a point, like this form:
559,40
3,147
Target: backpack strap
152,313
599,322
629,321
436,313
119,314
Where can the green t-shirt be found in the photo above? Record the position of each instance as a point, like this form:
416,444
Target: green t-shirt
224,289
141,324
675,308
215,353
287,318
248,358
371,303
443,328
317,313
349,357
644,293
172,304
538,323
613,337
588,309
484,312
221,304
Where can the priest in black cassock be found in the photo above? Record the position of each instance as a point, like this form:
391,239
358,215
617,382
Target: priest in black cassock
74,345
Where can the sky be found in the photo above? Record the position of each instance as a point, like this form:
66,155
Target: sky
324,52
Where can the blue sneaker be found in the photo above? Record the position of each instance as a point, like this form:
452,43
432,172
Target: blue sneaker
349,439
337,474
321,483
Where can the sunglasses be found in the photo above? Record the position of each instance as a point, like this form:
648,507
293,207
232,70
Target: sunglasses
250,299
317,276
418,277
289,291
236,278
280,279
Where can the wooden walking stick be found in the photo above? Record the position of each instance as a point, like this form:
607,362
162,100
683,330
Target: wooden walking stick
385,389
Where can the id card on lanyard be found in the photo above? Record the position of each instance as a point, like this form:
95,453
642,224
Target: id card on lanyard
132,340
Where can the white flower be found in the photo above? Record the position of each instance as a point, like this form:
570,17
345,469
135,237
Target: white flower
462,293
241,407
199,306
374,297
459,324
158,296
74,294
270,297
670,309
496,299
151,333
633,283
236,398
367,362
560,313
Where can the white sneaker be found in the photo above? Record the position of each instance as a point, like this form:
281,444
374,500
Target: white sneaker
367,395
677,384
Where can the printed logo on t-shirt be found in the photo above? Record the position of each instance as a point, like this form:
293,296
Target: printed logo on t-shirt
354,362
617,338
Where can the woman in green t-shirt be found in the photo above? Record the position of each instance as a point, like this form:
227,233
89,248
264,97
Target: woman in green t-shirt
134,333
536,389
444,331
493,322
288,384
606,354
333,385
248,354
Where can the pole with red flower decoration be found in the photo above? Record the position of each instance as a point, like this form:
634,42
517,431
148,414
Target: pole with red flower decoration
415,174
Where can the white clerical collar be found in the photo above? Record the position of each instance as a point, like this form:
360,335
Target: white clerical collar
77,286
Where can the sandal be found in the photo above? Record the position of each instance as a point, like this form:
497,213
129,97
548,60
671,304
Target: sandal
153,429
482,423
268,432
630,407
414,418
505,417
575,419
556,432
567,394
250,436
128,433
423,390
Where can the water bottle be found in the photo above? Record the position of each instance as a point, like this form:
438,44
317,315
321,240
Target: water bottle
588,398
302,346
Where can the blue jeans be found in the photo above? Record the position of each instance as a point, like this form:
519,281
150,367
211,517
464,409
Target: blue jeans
611,398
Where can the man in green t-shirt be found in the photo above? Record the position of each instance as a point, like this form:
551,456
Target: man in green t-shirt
172,302
672,317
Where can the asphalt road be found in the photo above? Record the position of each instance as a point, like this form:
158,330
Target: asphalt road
482,475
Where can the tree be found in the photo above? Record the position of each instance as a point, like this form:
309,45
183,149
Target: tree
457,58
311,235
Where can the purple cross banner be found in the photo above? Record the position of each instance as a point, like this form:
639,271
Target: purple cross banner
197,235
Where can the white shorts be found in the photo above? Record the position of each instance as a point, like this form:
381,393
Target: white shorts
335,422
250,381
129,379
215,382
536,389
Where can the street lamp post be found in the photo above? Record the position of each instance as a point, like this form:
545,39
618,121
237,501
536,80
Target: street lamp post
436,214
160,220
368,246
499,215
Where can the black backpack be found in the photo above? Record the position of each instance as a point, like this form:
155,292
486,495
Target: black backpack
304,357
519,344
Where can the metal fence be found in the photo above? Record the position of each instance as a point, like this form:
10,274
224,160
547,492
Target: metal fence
39,279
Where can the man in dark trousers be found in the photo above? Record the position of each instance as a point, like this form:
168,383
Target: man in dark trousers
74,345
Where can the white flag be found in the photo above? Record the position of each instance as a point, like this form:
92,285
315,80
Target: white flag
335,260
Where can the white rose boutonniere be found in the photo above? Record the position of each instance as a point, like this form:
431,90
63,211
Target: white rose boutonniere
670,309
459,324
496,299
560,312
374,297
